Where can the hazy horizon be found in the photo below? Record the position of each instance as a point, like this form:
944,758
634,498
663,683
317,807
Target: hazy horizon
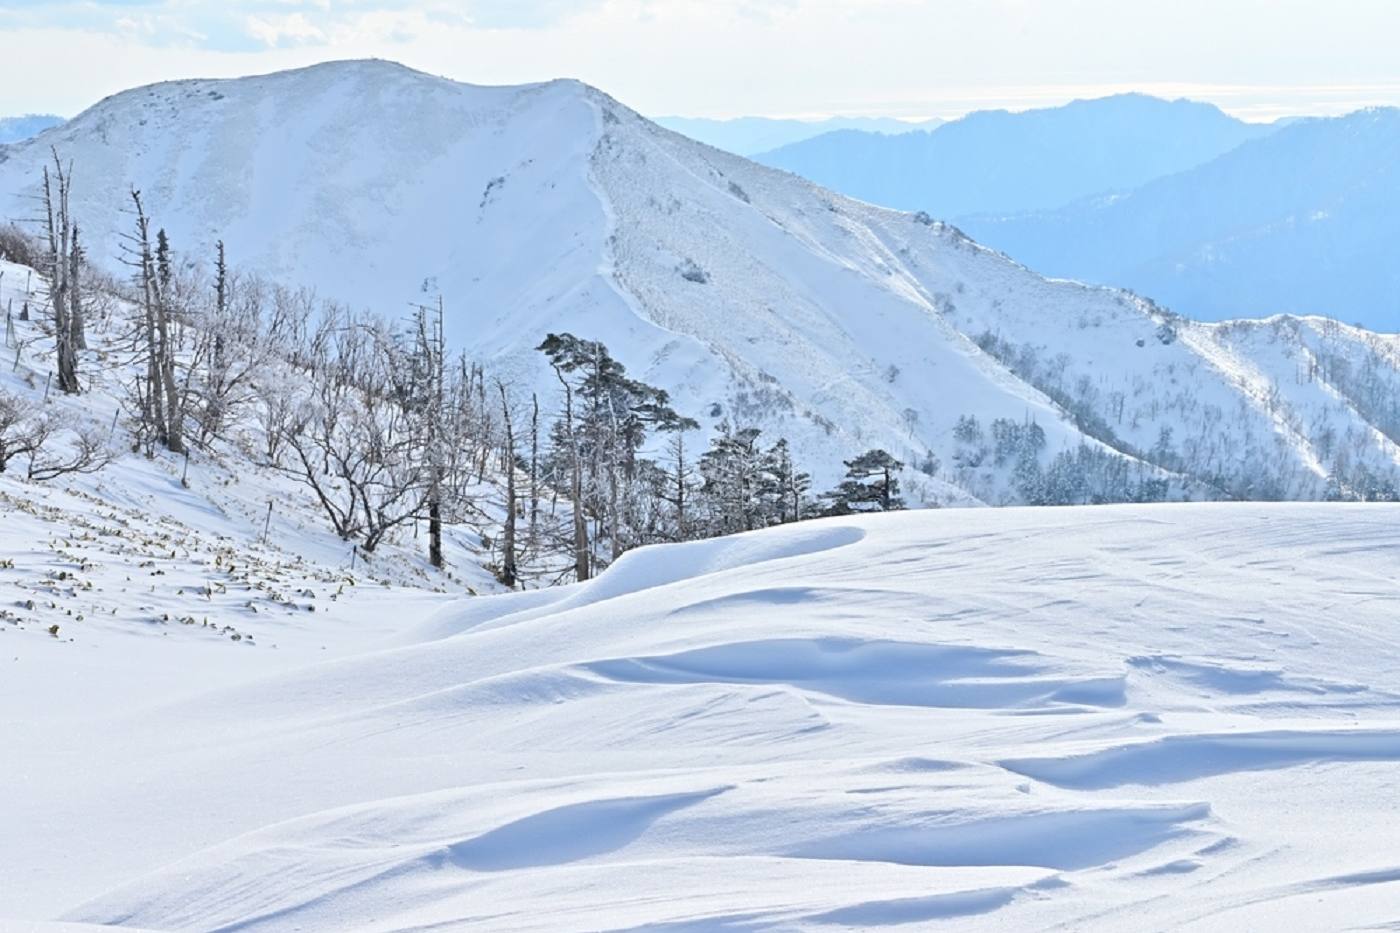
786,59
1048,98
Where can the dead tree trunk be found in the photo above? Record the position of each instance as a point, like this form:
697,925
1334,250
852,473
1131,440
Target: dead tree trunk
153,421
678,447
218,357
77,323
534,463
174,403
432,350
575,484
59,266
508,570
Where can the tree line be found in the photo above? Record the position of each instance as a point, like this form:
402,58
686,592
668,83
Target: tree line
384,426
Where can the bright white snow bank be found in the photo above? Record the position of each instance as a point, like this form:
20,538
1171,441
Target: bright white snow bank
1113,718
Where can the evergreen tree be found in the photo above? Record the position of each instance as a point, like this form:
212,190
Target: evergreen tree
733,471
785,487
607,417
871,485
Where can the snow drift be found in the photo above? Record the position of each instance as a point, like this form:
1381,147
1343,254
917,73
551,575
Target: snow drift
1143,716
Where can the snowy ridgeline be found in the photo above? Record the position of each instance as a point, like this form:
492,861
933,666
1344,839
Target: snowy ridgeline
1130,717
754,298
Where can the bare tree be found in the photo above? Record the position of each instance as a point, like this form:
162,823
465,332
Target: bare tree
430,401
216,383
87,452
507,574
24,429
27,430
534,463
77,311
151,393
680,480
60,261
174,400
355,444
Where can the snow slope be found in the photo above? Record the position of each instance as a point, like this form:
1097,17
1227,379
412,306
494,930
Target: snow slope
750,294
197,565
1148,717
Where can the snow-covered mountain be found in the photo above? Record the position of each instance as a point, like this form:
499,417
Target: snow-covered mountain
995,160
747,136
752,295
1302,221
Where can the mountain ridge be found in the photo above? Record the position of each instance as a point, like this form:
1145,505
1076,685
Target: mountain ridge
998,160
748,136
1244,233
25,126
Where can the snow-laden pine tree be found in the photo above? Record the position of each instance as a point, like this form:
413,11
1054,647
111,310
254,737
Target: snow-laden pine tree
606,419
871,485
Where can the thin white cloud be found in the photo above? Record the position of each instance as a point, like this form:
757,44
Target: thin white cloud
244,25
907,58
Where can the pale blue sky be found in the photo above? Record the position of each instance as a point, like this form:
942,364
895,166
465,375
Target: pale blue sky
909,58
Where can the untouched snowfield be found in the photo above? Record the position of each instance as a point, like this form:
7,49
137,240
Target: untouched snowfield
1135,717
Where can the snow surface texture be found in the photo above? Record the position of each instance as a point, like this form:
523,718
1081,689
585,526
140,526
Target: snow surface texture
750,294
1136,717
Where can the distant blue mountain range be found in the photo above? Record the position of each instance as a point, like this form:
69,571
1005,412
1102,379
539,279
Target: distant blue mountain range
1000,161
16,129
746,136
1208,215
1305,220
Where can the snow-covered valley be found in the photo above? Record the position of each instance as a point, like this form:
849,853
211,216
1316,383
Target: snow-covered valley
1147,717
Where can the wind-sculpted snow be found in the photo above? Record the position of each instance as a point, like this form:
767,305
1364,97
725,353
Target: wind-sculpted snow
670,563
873,672
569,833
1146,717
1176,758
1066,840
